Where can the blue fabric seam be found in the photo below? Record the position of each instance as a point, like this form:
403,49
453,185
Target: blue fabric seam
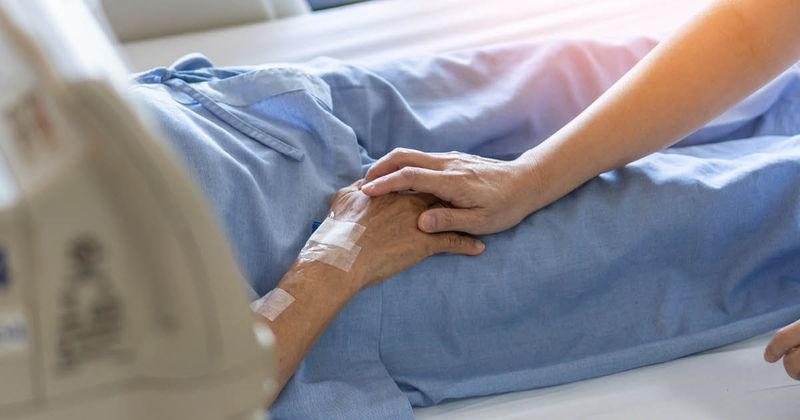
269,140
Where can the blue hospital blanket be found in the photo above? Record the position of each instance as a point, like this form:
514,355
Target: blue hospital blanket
688,249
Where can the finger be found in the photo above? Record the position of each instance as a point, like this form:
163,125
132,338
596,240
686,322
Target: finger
357,185
400,158
448,219
411,178
791,363
785,339
456,243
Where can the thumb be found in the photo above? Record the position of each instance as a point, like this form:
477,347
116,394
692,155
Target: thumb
447,219
458,243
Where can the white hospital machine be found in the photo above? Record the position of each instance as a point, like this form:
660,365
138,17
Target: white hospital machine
119,296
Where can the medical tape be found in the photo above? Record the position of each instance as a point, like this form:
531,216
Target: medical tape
338,233
272,304
334,243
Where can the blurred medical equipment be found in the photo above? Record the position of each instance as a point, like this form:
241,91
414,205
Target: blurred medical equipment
119,296
140,19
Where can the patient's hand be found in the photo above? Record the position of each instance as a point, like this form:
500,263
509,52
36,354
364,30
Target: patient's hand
392,242
786,344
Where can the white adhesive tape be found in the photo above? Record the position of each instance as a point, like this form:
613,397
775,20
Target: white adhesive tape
272,304
338,233
334,243
338,257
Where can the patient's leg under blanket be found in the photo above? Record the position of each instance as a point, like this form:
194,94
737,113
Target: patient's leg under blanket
501,101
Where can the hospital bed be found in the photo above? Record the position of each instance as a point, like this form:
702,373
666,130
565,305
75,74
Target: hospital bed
731,382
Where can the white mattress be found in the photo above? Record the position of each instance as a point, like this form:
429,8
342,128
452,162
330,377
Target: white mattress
728,383
391,28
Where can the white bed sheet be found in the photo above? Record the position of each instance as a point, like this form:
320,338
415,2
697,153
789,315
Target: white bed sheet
392,28
728,383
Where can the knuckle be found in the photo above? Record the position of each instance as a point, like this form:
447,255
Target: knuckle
455,240
469,172
408,173
454,164
451,169
399,152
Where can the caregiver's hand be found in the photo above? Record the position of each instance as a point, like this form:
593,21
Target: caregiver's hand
488,195
786,344
392,242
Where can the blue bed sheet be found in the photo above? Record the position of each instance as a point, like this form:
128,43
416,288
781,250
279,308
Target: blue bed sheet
691,248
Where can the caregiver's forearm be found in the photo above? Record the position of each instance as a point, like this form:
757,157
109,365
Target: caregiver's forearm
714,61
320,292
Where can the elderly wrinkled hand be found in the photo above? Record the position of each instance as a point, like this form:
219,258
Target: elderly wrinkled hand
487,195
392,242
786,345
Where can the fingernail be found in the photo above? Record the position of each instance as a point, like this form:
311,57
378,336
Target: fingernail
480,246
428,222
368,186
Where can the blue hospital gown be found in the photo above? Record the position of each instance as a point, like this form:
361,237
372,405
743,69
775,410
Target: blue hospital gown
690,248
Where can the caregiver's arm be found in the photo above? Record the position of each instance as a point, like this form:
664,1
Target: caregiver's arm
715,60
390,244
